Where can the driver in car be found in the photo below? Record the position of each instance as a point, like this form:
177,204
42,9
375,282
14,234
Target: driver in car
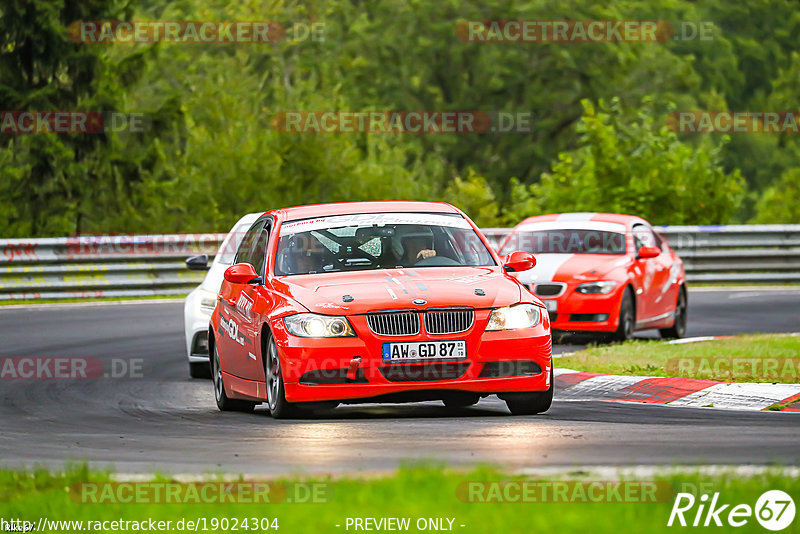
415,246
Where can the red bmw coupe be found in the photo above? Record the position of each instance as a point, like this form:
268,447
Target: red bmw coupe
603,272
372,302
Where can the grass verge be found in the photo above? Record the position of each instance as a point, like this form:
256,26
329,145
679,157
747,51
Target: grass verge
420,494
744,358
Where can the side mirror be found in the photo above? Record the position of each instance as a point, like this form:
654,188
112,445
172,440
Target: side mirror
519,261
648,252
242,273
197,263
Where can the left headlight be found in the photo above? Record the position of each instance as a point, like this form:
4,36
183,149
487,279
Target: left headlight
596,287
315,325
514,317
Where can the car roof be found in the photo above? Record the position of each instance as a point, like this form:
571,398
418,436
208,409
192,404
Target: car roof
584,217
346,208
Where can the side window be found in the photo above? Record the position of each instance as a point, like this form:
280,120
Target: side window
643,236
243,254
258,254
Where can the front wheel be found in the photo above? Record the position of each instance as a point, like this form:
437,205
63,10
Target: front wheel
223,402
279,407
678,328
533,402
627,318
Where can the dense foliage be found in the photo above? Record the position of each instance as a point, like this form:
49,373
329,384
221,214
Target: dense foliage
598,138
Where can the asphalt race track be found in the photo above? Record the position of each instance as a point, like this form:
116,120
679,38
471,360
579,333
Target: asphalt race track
161,420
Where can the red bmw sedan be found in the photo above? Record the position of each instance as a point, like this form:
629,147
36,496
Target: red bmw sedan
603,272
376,301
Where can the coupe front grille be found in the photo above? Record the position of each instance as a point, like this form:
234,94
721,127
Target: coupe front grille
548,290
448,321
405,323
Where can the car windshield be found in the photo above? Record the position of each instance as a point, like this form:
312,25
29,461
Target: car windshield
378,241
567,241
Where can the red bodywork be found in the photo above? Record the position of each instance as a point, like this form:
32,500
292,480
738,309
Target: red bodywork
247,313
655,282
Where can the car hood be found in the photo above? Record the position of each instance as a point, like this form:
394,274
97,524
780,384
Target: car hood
397,288
569,267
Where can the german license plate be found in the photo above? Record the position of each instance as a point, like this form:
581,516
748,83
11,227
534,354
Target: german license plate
551,305
424,351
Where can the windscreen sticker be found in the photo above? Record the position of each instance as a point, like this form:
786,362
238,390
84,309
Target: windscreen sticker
378,219
572,225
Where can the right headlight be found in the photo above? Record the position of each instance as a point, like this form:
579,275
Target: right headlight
316,325
514,317
603,287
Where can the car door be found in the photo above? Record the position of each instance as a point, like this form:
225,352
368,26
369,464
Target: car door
252,302
651,300
233,340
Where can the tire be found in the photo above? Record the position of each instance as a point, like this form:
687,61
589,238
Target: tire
200,369
461,400
627,318
279,407
678,328
531,403
223,402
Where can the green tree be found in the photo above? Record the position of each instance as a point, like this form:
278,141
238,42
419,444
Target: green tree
629,164
780,203
58,184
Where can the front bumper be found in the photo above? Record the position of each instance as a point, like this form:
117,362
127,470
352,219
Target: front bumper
195,325
592,312
300,357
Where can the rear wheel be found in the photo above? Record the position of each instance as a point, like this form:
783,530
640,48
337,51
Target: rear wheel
223,402
279,407
200,369
530,403
678,328
627,318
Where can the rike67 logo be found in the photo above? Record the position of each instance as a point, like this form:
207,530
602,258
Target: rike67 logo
774,510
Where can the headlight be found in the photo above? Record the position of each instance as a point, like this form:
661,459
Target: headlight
514,317
314,325
208,301
596,287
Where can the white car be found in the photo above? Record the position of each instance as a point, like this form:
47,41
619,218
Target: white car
201,301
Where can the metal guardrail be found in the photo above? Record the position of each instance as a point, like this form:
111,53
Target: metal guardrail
146,265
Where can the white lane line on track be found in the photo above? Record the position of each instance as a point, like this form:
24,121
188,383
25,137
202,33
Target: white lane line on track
51,305
595,472
740,396
736,289
645,472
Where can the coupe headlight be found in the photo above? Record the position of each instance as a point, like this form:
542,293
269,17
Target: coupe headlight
596,287
514,317
314,325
